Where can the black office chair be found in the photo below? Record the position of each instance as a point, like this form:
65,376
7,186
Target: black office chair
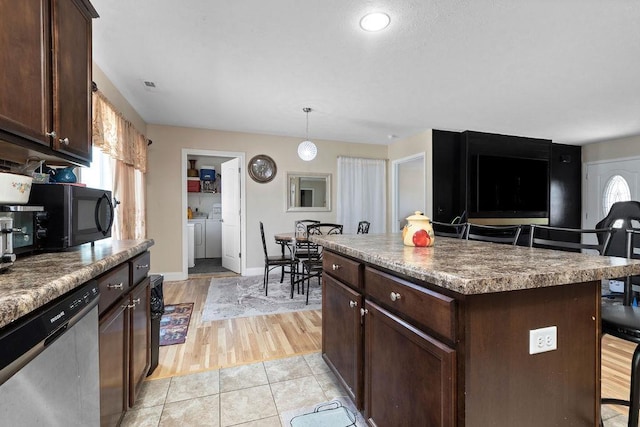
275,261
621,217
493,233
623,321
363,227
446,229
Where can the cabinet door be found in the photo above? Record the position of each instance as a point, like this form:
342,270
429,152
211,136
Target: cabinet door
24,85
140,337
113,365
409,376
71,79
342,335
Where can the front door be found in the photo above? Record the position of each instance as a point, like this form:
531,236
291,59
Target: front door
231,215
606,183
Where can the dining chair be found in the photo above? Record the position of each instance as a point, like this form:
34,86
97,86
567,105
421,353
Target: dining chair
312,265
301,225
275,261
493,233
446,229
595,240
363,227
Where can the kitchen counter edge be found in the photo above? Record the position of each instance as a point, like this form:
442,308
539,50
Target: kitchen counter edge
470,267
36,280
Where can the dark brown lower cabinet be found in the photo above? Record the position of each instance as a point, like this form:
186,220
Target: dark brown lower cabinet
342,334
139,337
124,338
409,376
426,356
113,364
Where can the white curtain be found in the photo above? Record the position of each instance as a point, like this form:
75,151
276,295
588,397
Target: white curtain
362,194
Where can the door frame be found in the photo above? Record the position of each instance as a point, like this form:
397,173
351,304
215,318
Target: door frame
395,167
243,205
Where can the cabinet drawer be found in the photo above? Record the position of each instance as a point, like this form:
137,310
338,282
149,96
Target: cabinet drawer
113,285
139,267
428,308
344,269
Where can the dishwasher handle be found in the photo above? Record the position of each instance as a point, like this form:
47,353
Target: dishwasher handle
56,334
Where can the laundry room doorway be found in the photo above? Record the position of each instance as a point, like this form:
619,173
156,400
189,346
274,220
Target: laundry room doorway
203,200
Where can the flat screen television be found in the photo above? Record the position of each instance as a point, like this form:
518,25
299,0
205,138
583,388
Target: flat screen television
510,186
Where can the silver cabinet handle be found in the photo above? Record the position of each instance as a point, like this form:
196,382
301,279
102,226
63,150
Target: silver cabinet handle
135,302
130,306
138,266
64,141
118,286
363,311
52,134
394,296
335,267
353,304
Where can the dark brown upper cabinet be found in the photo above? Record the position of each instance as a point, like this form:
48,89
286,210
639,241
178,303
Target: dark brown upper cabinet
45,107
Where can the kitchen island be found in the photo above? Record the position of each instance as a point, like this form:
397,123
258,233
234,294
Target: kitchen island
441,336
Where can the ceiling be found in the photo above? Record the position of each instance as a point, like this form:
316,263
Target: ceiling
562,70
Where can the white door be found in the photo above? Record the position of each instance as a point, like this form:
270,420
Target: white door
230,192
608,182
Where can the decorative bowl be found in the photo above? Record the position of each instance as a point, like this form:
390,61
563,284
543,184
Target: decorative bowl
14,188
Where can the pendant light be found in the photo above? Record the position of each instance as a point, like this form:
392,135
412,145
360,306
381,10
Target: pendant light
307,150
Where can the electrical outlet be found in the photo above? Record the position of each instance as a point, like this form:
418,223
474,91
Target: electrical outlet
543,339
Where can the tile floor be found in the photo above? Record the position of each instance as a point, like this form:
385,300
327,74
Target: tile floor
613,418
265,394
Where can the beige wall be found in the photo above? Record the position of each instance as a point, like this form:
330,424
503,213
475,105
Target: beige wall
115,97
612,149
419,143
264,202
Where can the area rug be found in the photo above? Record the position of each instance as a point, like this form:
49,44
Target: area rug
174,323
243,296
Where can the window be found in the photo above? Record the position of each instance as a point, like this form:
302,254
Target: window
616,190
100,173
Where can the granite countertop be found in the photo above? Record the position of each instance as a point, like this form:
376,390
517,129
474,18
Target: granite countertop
472,267
36,280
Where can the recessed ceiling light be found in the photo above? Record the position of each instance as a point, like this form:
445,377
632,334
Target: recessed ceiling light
375,21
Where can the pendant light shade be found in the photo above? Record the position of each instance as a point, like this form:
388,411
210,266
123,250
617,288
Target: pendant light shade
307,150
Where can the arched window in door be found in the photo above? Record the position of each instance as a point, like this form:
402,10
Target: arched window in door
616,190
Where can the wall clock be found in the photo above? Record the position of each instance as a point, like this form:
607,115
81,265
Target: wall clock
262,168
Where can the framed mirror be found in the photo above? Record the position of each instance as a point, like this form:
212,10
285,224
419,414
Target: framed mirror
308,192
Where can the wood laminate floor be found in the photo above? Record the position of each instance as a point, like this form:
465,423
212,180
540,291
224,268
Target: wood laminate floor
226,343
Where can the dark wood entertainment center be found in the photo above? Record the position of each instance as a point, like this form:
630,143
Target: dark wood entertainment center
454,154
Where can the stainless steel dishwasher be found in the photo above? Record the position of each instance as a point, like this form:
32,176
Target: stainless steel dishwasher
49,373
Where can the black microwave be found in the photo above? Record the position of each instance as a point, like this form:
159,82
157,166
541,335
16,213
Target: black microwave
76,214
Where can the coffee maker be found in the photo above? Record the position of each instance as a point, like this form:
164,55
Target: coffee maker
23,227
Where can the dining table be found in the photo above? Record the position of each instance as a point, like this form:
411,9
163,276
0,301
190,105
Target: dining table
285,239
